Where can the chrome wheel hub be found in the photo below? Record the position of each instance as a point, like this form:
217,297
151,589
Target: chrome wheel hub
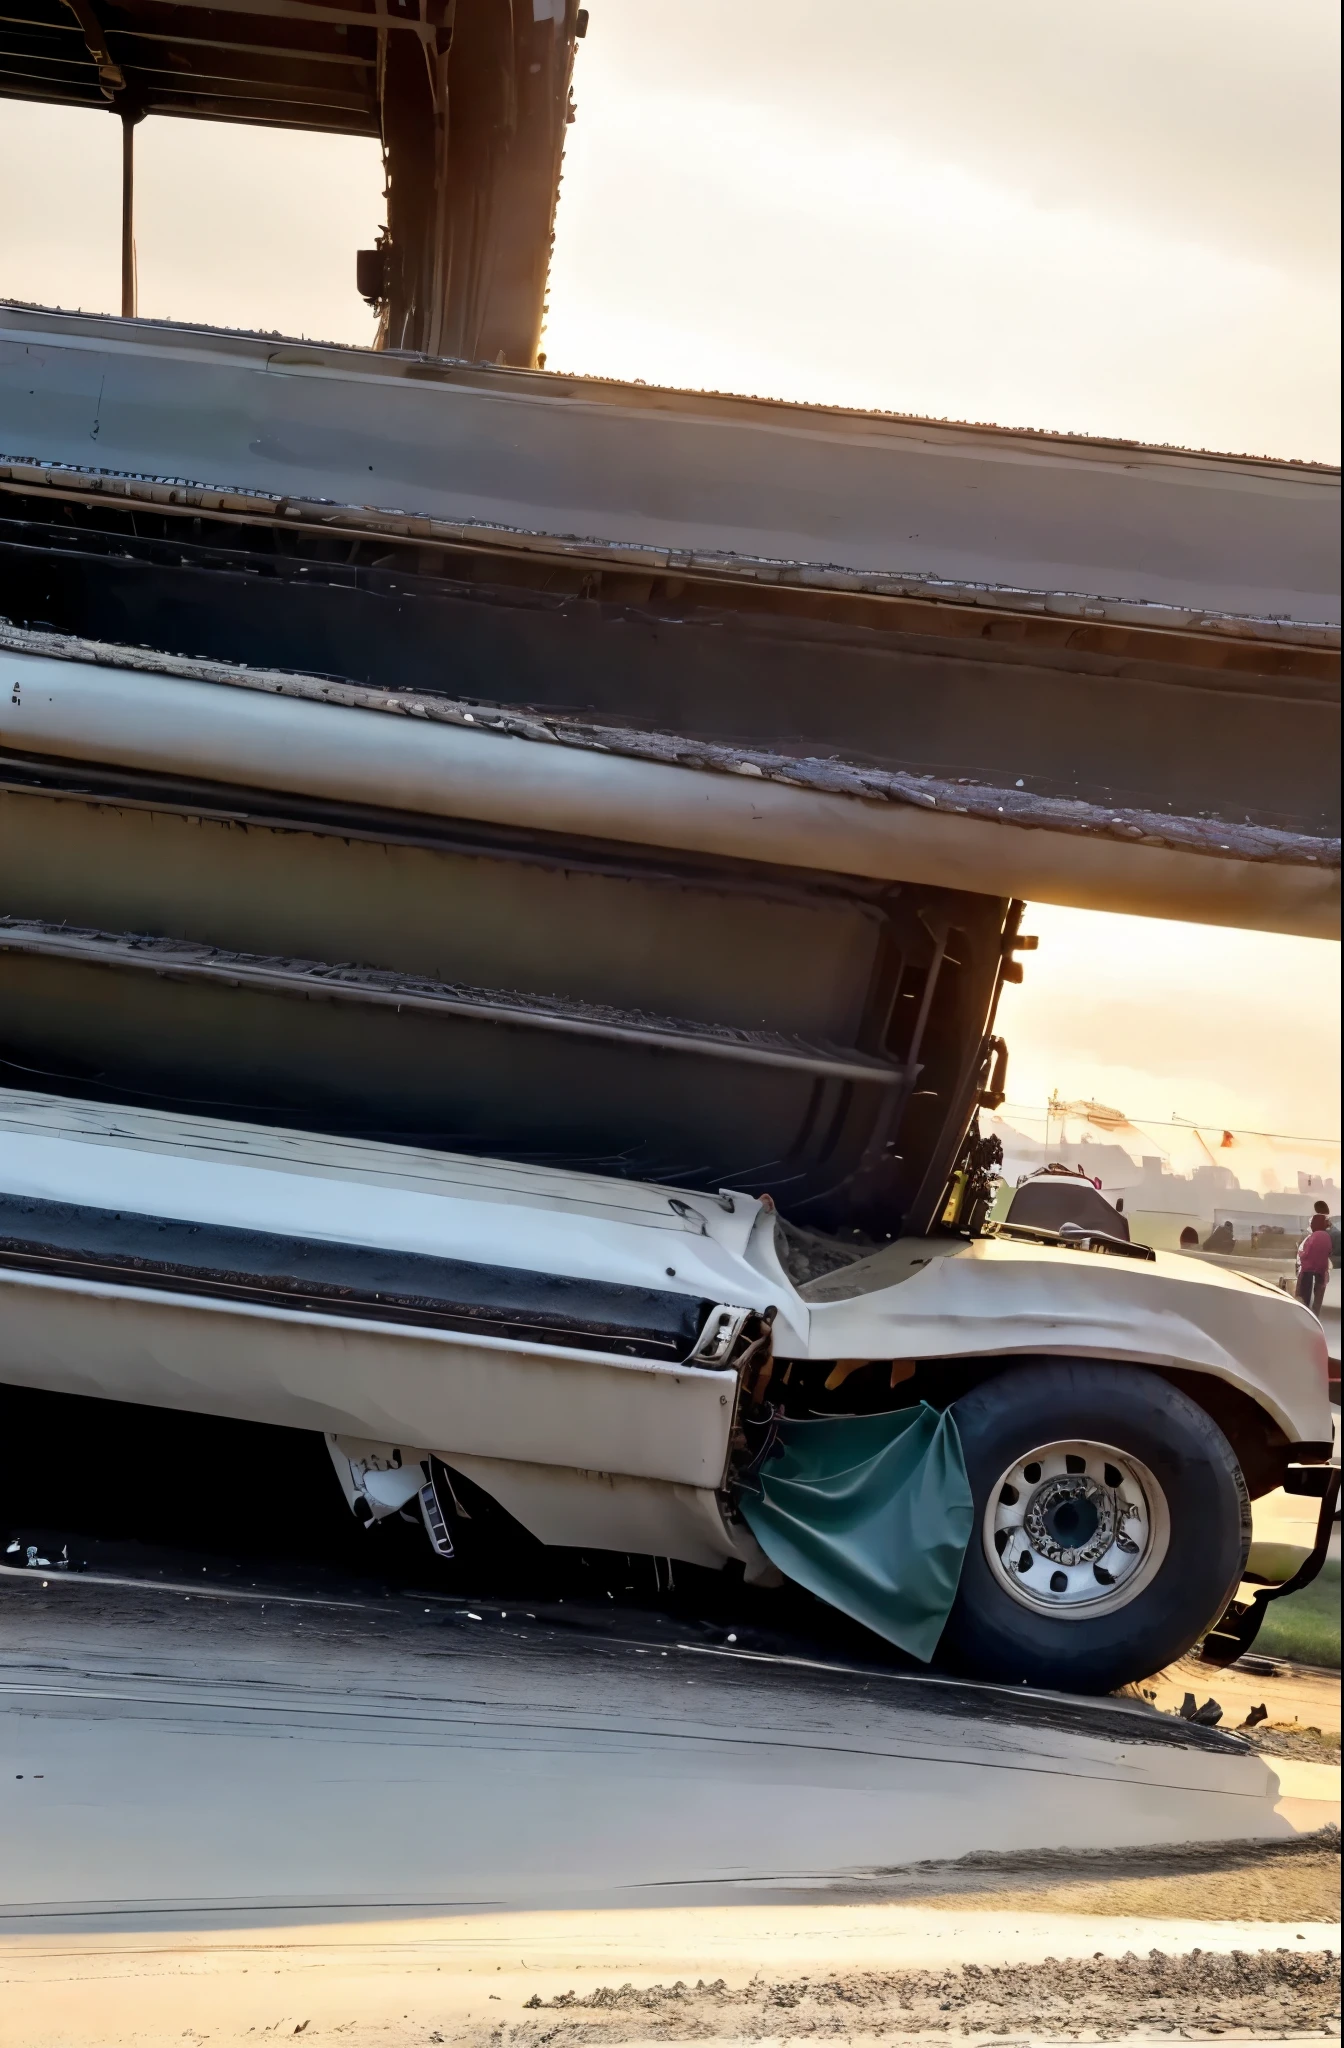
1075,1529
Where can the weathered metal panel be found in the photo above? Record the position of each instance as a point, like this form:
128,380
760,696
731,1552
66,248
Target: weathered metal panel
478,1395
996,1298
284,737
936,1299
748,487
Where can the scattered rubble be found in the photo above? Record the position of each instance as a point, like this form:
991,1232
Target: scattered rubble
1272,1995
1207,1716
1308,1744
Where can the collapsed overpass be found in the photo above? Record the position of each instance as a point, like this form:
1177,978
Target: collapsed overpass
412,743
1050,666
636,781
1067,669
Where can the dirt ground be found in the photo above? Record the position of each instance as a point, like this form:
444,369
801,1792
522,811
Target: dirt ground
1301,1704
1267,1996
1196,1942
1205,1940
1295,1879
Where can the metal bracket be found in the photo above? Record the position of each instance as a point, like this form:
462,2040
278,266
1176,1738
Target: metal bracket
111,77
1232,1635
434,1518
718,1340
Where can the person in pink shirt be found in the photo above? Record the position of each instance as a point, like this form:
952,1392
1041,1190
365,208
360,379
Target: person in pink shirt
1313,1264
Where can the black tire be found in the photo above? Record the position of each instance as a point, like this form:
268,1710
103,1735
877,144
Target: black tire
990,1634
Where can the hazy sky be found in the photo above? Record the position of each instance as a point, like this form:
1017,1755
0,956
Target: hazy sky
1117,217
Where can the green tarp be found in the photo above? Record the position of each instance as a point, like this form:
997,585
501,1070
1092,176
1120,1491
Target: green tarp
871,1513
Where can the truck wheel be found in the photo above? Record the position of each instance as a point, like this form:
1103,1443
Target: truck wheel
1111,1526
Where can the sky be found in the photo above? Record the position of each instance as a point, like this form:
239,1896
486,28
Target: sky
1119,218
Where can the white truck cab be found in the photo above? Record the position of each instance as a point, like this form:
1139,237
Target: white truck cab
599,1356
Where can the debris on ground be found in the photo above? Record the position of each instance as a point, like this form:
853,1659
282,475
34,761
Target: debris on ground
1270,1995
1290,1739
30,1557
1293,1694
1291,1878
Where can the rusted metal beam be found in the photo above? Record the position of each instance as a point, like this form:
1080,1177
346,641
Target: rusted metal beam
421,21
319,981
294,54
473,134
158,83
116,89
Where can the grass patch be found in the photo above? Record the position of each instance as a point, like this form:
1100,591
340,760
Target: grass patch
1305,1627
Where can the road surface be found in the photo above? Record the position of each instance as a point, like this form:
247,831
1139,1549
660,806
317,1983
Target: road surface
173,1756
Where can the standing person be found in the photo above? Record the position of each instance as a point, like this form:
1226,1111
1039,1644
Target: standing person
1323,1209
1313,1264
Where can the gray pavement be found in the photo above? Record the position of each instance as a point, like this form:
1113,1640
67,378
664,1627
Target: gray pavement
181,1761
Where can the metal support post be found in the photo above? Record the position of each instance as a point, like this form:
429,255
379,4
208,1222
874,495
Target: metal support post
128,121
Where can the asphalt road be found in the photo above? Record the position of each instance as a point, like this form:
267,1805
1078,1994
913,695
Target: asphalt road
245,1707
210,1761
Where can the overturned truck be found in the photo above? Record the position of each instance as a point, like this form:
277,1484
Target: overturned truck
508,881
